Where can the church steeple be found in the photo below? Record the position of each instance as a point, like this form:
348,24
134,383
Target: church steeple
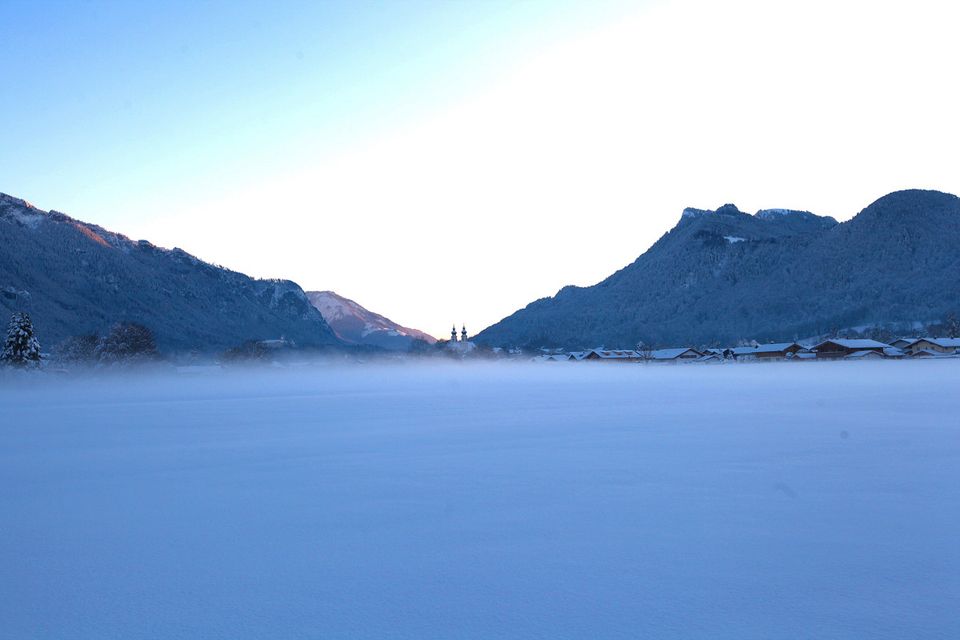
453,334
463,333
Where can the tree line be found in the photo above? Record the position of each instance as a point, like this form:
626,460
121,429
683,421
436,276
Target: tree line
123,342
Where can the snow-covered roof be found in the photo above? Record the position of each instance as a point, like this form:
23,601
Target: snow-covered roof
553,357
927,353
863,354
670,354
893,352
906,341
613,354
945,343
860,343
774,347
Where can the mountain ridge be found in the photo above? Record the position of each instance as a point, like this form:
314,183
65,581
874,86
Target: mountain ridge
355,324
724,275
77,278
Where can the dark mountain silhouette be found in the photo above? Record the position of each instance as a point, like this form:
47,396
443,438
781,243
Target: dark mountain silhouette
76,278
720,276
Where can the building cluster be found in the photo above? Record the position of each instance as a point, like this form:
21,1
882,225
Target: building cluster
461,346
834,349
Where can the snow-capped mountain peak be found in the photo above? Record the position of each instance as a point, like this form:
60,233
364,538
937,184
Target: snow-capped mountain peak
353,323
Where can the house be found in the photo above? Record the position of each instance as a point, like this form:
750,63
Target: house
842,347
865,354
927,353
613,355
710,358
903,343
773,351
935,345
552,357
679,354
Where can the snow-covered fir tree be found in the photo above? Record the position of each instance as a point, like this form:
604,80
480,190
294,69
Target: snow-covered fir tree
21,347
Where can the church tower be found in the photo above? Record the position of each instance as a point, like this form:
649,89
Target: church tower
453,334
463,333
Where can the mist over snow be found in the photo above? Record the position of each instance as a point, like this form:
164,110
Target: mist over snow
485,501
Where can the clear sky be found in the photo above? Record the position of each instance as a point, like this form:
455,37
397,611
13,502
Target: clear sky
449,162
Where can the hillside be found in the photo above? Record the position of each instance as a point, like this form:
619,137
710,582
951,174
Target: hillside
724,275
76,278
356,325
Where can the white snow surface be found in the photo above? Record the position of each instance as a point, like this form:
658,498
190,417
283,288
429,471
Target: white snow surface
787,500
733,239
29,219
335,309
691,212
774,213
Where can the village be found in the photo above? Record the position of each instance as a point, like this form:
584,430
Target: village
833,349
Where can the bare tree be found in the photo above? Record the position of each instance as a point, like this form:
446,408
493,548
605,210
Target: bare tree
127,341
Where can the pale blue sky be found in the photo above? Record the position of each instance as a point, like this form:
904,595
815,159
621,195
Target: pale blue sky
448,162
108,102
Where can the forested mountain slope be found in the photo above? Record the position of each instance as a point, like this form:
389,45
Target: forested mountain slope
720,276
76,278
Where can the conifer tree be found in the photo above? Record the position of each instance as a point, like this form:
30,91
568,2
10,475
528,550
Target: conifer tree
21,347
127,341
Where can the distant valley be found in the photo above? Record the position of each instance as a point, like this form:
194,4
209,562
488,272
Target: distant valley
719,277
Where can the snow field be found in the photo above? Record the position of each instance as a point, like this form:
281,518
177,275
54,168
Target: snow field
788,500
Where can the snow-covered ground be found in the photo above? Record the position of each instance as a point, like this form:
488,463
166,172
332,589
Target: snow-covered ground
569,501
